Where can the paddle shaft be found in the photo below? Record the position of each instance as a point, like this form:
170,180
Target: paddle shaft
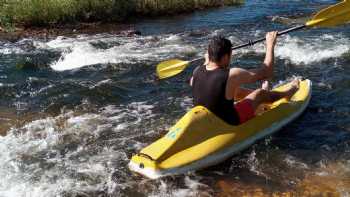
251,43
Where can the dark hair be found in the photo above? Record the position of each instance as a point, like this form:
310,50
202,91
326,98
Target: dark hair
218,48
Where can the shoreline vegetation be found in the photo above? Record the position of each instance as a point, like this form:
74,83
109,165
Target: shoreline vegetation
16,15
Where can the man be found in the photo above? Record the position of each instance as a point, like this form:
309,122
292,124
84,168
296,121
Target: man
217,87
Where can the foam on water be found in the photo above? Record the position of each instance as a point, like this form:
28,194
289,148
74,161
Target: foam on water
80,52
84,51
293,162
308,50
7,49
22,46
63,154
192,187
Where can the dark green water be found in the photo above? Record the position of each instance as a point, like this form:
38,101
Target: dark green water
74,123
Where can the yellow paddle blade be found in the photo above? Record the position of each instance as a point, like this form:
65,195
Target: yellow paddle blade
171,68
334,15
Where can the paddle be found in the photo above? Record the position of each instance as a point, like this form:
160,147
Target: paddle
332,16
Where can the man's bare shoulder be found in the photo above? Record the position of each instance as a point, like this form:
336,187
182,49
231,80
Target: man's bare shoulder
235,71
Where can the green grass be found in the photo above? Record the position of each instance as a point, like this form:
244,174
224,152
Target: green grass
44,12
47,12
161,7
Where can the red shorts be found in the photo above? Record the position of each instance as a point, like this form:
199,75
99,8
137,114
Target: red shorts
245,110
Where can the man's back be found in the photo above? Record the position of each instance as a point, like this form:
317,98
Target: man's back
209,89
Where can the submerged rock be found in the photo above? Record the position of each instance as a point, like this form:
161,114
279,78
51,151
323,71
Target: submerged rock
26,64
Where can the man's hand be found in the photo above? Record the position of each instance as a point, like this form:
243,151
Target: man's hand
271,39
206,57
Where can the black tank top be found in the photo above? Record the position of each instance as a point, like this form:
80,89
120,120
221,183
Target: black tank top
209,90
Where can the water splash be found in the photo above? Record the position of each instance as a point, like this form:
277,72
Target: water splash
309,50
85,51
69,153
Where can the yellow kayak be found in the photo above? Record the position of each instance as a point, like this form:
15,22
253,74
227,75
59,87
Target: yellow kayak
200,139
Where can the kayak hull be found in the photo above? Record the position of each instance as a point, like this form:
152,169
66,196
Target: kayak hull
200,139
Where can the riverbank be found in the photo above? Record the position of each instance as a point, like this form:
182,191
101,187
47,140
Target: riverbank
23,14
69,30
52,18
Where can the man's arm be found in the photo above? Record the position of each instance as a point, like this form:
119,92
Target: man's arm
239,76
269,61
266,71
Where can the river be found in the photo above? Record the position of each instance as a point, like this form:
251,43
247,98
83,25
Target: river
74,120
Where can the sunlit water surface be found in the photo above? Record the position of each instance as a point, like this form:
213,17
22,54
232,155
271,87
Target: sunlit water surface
73,124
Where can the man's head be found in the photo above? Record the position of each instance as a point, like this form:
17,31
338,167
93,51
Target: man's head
220,51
